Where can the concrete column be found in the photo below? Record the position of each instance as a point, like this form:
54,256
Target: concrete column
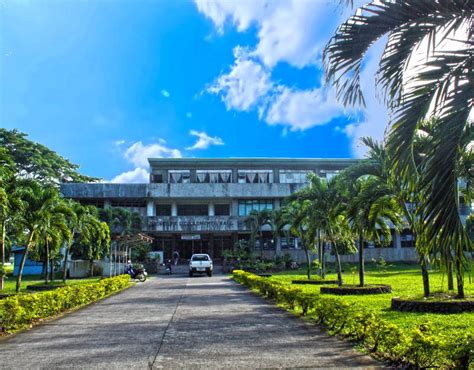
107,203
235,175
276,203
210,209
234,207
397,240
174,209
192,176
276,175
150,208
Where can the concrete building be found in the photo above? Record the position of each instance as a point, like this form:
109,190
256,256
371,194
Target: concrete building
200,205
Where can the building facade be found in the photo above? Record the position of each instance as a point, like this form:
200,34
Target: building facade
196,205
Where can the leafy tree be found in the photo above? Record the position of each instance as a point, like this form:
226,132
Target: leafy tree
35,161
439,87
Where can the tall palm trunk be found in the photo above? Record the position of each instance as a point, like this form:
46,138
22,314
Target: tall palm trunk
323,260
449,271
91,267
308,262
338,266
425,275
361,261
320,256
459,273
22,263
66,255
2,252
46,262
51,262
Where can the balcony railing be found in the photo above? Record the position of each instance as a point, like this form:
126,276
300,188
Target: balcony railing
191,224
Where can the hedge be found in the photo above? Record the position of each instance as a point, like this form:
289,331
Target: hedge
387,341
22,310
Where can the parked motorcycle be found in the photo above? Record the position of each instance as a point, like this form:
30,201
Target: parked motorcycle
167,267
139,273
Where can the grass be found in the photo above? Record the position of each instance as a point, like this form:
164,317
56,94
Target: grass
406,282
10,282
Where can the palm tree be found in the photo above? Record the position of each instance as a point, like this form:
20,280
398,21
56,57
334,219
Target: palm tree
83,227
52,228
42,216
371,209
323,202
6,205
255,221
438,87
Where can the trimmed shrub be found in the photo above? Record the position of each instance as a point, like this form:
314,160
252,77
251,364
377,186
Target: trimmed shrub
22,310
417,347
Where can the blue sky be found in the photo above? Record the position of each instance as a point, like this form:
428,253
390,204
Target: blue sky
109,83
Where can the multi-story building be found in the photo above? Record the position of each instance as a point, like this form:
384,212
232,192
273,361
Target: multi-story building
200,205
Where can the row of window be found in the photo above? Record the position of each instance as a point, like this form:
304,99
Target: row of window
247,206
243,176
193,210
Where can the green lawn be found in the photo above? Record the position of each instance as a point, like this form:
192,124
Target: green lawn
10,282
405,281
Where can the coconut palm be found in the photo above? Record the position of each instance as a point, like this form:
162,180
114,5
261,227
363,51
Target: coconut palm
371,211
7,204
324,203
439,87
255,221
42,219
52,229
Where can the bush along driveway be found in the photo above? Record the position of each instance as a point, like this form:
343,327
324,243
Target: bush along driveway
22,310
416,347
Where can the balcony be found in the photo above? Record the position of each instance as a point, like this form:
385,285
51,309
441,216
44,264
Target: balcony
218,190
193,224
189,190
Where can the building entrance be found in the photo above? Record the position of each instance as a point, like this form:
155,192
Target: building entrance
214,245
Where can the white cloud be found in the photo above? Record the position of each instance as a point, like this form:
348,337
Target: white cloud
245,84
138,153
204,140
293,32
119,142
165,93
303,109
136,176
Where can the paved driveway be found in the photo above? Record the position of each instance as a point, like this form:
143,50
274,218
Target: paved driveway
176,322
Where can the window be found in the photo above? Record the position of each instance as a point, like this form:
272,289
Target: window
179,176
294,177
407,239
213,176
200,257
222,210
192,210
163,209
128,203
330,174
255,176
99,203
157,179
247,206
